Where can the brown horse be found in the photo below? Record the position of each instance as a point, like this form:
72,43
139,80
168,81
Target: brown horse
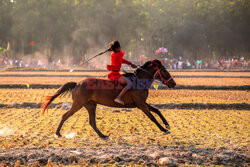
91,91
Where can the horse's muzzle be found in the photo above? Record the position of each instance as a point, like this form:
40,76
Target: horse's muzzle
171,83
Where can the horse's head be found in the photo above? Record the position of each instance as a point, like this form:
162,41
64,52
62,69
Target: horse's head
159,72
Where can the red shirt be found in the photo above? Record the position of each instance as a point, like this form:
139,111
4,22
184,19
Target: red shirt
116,63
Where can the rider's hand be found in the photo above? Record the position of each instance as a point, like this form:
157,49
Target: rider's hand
133,65
110,50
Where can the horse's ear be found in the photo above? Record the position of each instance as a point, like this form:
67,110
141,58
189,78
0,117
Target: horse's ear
157,62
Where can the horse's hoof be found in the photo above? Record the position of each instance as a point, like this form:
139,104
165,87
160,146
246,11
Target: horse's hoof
104,137
167,126
167,132
58,135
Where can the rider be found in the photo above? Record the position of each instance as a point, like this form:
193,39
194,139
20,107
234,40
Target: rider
116,62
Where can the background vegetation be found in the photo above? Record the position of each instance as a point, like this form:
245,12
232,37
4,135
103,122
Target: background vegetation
188,28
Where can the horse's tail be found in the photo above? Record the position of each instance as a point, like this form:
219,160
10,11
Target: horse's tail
62,90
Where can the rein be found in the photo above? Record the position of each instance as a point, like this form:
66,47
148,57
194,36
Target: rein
158,72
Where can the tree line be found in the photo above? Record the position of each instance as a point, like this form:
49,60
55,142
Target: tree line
203,29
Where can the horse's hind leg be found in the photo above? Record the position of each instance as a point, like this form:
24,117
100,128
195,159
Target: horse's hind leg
155,110
74,108
91,107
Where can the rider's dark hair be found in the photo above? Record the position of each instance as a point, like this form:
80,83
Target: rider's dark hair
114,45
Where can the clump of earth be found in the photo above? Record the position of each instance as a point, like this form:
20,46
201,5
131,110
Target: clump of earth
119,155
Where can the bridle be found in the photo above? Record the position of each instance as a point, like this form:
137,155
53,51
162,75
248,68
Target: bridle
156,74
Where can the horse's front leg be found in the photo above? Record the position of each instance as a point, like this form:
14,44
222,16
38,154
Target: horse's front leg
155,110
144,107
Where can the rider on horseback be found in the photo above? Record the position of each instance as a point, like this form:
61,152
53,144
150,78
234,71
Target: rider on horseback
116,62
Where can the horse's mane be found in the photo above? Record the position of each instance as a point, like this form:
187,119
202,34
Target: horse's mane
144,66
150,62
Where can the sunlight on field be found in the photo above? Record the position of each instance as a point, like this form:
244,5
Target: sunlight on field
179,81
213,81
11,96
202,128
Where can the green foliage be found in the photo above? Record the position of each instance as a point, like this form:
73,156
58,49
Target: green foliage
5,22
196,29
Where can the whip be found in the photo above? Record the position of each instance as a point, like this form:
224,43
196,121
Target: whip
96,56
91,59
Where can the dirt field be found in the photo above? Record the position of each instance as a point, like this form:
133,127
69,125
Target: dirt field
21,128
11,96
123,155
218,136
180,81
106,73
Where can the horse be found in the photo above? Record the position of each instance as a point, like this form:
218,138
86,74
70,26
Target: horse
92,91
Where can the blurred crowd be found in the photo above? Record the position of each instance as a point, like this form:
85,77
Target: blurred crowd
234,63
180,63
33,63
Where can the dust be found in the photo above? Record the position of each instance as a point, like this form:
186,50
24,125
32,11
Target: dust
6,131
70,135
100,62
37,59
